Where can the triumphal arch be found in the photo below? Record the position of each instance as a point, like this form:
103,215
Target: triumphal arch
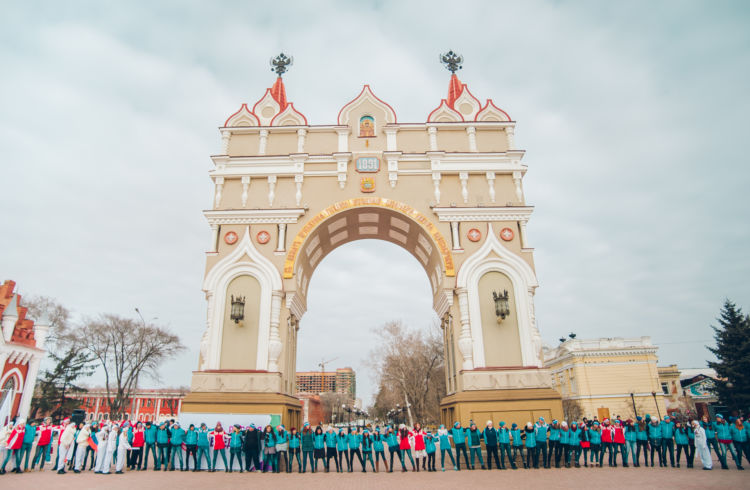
449,190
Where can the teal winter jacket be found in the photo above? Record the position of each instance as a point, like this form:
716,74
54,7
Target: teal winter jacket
595,436
459,435
149,434
293,441
667,430
541,432
331,439
354,440
342,443
177,436
516,433
162,436
680,436
429,444
723,432
307,441
191,437
202,438
503,435
530,440
377,443
319,441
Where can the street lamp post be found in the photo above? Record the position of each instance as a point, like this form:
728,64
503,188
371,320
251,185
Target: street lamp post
653,393
632,398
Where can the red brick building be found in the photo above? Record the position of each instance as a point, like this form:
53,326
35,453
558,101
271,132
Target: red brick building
21,352
146,405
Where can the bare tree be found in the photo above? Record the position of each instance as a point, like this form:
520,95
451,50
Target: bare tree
127,350
44,307
331,403
409,366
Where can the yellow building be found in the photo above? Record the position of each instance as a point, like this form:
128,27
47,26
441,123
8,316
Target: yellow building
606,377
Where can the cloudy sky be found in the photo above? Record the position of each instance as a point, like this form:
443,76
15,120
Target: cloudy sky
633,115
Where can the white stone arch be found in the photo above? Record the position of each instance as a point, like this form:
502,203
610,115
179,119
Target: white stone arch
493,256
215,286
19,379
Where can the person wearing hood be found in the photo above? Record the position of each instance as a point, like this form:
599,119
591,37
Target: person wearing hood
654,439
65,445
459,441
378,445
123,446
235,448
137,440
584,435
43,444
541,429
176,439
444,442
14,447
307,440
282,448
420,453
251,447
608,441
111,448
101,448
711,441
354,440
595,438
724,435
149,437
392,440
367,443
430,449
191,447
667,440
561,451
681,440
554,442
700,445
29,435
741,440
631,440
619,443
641,438
573,446
202,448
342,450
404,444
517,444
294,450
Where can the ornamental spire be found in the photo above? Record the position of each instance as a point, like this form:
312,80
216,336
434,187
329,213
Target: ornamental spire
452,61
281,63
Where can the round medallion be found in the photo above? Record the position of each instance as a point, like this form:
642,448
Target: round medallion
506,234
263,237
231,238
474,235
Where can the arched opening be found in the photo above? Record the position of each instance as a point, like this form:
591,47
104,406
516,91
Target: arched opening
351,293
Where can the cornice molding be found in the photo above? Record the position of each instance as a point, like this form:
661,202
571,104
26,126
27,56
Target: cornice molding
253,216
520,213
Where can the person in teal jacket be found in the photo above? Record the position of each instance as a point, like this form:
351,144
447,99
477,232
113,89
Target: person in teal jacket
378,445
202,443
459,441
319,447
503,439
269,449
724,435
573,448
563,444
541,429
595,438
654,438
740,439
342,449
191,446
517,443
149,436
331,440
235,448
554,442
529,437
681,440
474,441
294,449
282,448
667,440
391,438
641,437
354,440
307,447
178,435
367,444
162,442
28,441
430,449
631,439
711,440
444,441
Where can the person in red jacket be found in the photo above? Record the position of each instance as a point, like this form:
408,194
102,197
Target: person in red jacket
136,453
405,445
619,443
15,444
43,444
608,441
217,436
419,448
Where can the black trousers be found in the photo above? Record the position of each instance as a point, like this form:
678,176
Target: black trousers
551,451
541,449
136,455
431,460
656,446
397,451
644,445
492,451
279,454
352,452
252,455
344,457
191,449
461,447
558,452
331,453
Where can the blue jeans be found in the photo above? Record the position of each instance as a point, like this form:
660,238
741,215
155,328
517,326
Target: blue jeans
203,451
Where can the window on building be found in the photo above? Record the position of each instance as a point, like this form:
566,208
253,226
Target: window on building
665,388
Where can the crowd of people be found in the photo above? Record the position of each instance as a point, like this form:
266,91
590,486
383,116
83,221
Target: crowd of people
114,447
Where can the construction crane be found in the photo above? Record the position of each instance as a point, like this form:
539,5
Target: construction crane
323,364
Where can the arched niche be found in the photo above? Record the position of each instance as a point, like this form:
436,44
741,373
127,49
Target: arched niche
239,342
502,341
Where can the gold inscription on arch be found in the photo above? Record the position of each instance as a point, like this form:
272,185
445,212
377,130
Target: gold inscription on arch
400,207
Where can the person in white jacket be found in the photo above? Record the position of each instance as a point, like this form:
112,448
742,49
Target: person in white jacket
83,443
110,451
701,445
122,450
101,449
65,445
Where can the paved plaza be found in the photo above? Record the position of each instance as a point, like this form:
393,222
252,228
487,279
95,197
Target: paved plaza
596,478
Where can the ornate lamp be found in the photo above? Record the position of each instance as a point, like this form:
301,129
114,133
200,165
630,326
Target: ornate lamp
238,309
502,309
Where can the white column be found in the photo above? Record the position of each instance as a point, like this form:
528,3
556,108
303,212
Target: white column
393,171
455,236
214,238
341,163
436,184
519,190
219,181
298,179
96,409
274,339
281,241
245,187
432,131
509,132
301,140
263,141
464,176
179,406
225,142
524,242
472,132
271,189
465,343
28,387
491,185
343,140
158,408
390,134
